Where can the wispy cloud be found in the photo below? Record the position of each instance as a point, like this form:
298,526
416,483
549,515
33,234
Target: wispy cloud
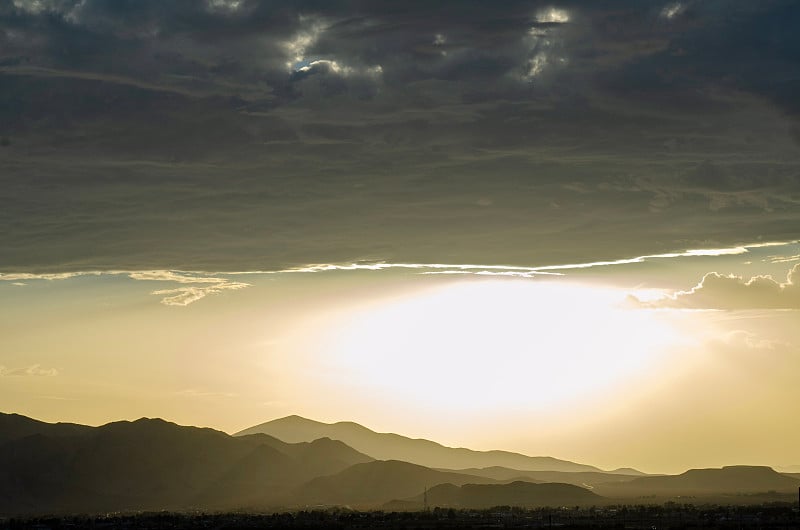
34,370
752,341
18,277
183,296
195,285
783,259
718,291
513,270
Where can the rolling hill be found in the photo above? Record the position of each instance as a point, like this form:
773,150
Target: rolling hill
577,478
519,493
389,446
374,483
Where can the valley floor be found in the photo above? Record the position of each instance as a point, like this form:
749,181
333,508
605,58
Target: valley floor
668,516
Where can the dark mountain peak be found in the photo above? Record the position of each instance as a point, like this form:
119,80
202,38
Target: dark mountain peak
14,426
145,419
156,425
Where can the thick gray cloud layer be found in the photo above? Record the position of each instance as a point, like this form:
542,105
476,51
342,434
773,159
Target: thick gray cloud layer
243,134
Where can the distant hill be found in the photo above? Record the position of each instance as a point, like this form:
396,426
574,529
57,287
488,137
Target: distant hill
151,464
704,482
628,471
519,493
374,483
577,478
389,446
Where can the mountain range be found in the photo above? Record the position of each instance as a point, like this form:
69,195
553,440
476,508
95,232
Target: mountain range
390,446
152,464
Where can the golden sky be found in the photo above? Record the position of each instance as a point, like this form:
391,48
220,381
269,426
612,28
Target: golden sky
662,363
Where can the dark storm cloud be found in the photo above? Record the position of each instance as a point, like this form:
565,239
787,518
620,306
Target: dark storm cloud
238,134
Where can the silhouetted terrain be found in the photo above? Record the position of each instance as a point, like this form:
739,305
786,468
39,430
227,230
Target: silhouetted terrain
706,482
374,483
389,446
578,478
519,493
14,426
152,464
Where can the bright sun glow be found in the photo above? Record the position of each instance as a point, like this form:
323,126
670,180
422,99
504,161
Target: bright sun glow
479,345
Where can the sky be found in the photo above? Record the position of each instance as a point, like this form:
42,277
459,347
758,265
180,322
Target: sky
564,228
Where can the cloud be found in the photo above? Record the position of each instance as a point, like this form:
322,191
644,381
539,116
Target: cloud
34,370
783,259
511,270
239,135
173,276
748,340
197,285
673,10
717,291
183,296
18,276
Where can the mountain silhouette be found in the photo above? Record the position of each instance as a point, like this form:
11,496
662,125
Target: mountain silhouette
713,481
389,446
519,493
13,426
577,478
374,483
151,464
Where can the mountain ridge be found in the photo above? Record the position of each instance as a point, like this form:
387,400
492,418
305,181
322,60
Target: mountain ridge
517,493
706,481
152,464
392,446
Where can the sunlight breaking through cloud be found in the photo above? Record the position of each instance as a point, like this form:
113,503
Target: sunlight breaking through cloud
671,11
553,15
197,285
